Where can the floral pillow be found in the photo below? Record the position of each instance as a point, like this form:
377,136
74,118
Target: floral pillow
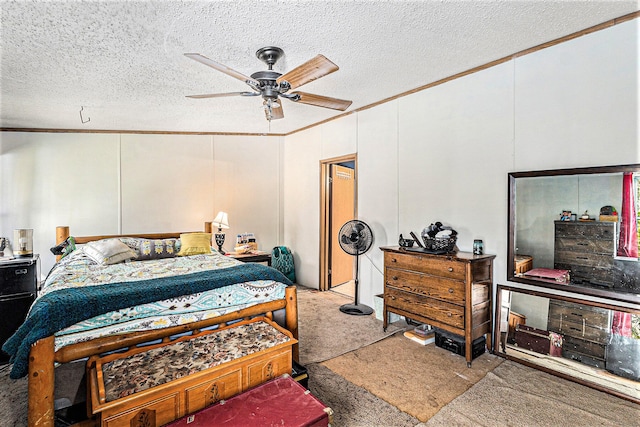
146,249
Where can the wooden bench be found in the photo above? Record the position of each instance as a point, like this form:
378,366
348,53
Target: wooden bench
154,385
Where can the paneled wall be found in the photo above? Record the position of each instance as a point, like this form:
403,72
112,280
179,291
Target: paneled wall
124,183
444,153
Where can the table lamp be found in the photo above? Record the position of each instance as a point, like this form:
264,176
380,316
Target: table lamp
221,221
23,242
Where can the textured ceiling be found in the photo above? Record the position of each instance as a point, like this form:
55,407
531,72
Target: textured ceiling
123,62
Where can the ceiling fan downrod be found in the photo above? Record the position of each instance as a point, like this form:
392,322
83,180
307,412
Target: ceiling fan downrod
269,55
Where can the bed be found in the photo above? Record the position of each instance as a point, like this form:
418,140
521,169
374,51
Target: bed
124,304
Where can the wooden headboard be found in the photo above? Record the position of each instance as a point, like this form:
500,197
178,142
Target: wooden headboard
62,233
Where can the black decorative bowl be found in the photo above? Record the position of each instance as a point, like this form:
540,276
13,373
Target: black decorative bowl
406,243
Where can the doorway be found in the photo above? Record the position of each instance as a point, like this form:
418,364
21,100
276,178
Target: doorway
338,205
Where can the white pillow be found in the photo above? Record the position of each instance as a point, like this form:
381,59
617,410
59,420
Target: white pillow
108,251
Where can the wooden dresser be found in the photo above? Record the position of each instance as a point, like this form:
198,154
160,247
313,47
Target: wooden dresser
587,250
586,331
451,292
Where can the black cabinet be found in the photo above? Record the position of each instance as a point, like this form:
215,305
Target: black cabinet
18,289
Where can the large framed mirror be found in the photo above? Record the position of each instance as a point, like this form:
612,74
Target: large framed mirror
576,230
593,343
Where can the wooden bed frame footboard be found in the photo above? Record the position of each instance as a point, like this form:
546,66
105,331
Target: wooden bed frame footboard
42,356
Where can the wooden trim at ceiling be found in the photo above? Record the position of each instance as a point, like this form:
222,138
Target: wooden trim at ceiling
557,41
148,132
593,29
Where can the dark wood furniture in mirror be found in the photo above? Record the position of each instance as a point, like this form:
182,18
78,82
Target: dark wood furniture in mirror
537,238
593,342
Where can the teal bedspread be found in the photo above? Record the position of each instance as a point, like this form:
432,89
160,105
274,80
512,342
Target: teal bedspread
63,308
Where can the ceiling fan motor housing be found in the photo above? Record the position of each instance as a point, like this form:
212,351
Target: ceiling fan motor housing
269,55
268,84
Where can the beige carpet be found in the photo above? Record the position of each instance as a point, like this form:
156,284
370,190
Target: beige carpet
325,332
516,395
417,379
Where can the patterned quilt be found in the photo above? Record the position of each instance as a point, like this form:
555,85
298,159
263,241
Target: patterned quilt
79,270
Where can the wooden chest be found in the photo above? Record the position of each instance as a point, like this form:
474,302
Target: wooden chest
586,330
279,402
532,339
154,385
451,292
587,250
522,264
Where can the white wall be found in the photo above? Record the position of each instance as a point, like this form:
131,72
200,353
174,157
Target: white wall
302,202
125,183
444,153
48,180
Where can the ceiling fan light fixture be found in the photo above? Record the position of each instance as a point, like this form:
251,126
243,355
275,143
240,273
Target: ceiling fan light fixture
271,85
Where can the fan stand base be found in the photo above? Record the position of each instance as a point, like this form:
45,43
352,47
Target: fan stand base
356,309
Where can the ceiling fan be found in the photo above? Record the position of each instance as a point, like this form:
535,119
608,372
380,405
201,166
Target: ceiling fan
271,85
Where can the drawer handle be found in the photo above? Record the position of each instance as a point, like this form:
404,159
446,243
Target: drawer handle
394,260
450,269
22,271
392,297
449,314
450,290
395,278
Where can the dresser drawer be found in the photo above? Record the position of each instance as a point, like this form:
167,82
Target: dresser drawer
580,321
605,247
18,278
590,231
427,285
440,311
583,259
435,266
587,274
577,345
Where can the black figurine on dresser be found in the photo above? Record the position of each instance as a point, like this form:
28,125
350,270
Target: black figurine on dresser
18,290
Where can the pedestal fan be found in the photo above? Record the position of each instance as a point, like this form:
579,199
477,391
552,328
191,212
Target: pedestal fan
355,238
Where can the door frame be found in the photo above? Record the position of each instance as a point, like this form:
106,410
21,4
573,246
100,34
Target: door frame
325,169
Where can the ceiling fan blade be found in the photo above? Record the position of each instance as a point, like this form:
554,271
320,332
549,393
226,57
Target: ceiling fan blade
309,71
323,101
220,95
220,67
273,113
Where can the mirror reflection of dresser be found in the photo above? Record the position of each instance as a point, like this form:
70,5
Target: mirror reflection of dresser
593,318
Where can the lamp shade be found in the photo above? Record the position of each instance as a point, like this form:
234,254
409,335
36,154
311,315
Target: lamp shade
23,242
221,220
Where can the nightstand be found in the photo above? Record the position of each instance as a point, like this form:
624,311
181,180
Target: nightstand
252,257
18,290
